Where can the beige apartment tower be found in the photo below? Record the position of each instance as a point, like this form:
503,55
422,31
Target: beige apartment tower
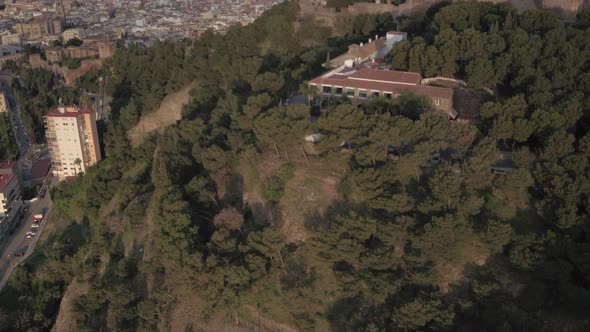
72,139
3,103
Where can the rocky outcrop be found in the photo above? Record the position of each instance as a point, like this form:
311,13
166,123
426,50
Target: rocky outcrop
168,113
70,75
566,9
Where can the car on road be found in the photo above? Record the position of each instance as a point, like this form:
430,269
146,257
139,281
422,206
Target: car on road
42,193
19,254
39,216
35,225
30,235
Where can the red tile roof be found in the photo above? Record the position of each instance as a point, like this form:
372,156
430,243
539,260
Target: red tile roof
40,168
7,164
71,111
392,86
5,180
387,76
358,51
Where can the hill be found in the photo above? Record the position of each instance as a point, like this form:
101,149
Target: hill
395,217
325,11
167,114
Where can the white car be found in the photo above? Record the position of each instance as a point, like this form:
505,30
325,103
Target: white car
35,225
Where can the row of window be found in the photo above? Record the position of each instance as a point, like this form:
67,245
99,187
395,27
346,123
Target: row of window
350,92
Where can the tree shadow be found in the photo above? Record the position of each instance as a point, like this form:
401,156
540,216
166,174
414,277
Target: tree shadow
267,213
318,222
234,188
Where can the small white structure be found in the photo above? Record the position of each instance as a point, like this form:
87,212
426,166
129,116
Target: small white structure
391,38
313,138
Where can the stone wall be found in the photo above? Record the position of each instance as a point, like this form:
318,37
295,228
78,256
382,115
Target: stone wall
410,7
70,75
566,9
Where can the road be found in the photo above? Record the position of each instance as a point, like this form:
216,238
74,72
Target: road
22,139
17,242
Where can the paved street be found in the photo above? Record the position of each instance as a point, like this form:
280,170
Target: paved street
17,242
21,137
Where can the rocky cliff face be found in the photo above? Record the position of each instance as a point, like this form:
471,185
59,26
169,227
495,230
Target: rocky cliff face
566,8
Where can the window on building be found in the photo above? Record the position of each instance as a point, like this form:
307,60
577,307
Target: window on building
327,89
363,93
437,102
388,95
350,92
375,94
339,91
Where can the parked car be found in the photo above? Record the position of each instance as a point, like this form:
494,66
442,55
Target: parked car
42,193
19,254
35,225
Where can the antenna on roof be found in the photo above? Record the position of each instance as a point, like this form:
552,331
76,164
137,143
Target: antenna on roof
61,107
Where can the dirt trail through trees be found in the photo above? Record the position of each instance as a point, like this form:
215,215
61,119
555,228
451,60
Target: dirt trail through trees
65,320
169,112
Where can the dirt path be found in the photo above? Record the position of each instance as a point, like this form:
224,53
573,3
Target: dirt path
64,321
169,112
268,324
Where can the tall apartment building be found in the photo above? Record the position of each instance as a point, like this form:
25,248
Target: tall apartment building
3,103
11,198
72,139
9,193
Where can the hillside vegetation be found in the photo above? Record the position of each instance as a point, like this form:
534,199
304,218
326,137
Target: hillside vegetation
227,218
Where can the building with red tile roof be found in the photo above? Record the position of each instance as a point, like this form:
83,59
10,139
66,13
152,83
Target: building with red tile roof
72,139
362,82
40,170
372,49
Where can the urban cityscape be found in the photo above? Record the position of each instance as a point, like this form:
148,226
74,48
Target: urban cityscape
145,20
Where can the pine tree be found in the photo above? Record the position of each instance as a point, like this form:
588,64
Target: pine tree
508,22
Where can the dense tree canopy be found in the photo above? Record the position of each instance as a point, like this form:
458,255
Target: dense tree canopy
422,234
